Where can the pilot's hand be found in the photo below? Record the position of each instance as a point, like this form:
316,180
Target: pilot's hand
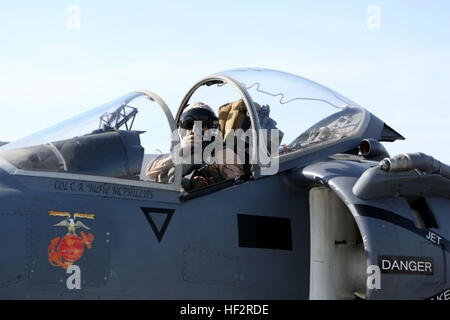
190,143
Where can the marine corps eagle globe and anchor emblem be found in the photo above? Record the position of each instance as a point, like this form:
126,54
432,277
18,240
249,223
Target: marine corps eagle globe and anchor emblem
65,251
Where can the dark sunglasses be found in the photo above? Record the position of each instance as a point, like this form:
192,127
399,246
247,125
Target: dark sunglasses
188,124
187,119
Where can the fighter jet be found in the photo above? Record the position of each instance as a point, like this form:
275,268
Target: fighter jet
323,211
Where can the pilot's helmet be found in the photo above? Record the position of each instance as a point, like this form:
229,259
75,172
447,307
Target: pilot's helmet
198,113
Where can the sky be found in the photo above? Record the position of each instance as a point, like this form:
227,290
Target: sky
391,57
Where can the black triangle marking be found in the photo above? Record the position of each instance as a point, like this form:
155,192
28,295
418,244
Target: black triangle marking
159,233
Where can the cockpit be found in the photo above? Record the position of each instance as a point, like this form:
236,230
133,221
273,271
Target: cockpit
277,116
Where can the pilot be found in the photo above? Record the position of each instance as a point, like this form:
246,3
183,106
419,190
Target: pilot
220,168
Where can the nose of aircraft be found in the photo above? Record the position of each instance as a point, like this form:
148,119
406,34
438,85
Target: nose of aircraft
15,235
13,193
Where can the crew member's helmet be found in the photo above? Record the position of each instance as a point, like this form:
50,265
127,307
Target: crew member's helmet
198,112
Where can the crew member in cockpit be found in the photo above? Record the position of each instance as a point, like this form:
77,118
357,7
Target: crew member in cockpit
162,168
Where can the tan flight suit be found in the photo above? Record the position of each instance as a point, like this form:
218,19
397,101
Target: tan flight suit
162,168
158,169
231,116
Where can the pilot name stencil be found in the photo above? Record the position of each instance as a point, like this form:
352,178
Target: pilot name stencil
104,189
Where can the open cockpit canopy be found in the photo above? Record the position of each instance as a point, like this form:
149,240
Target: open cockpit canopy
286,117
